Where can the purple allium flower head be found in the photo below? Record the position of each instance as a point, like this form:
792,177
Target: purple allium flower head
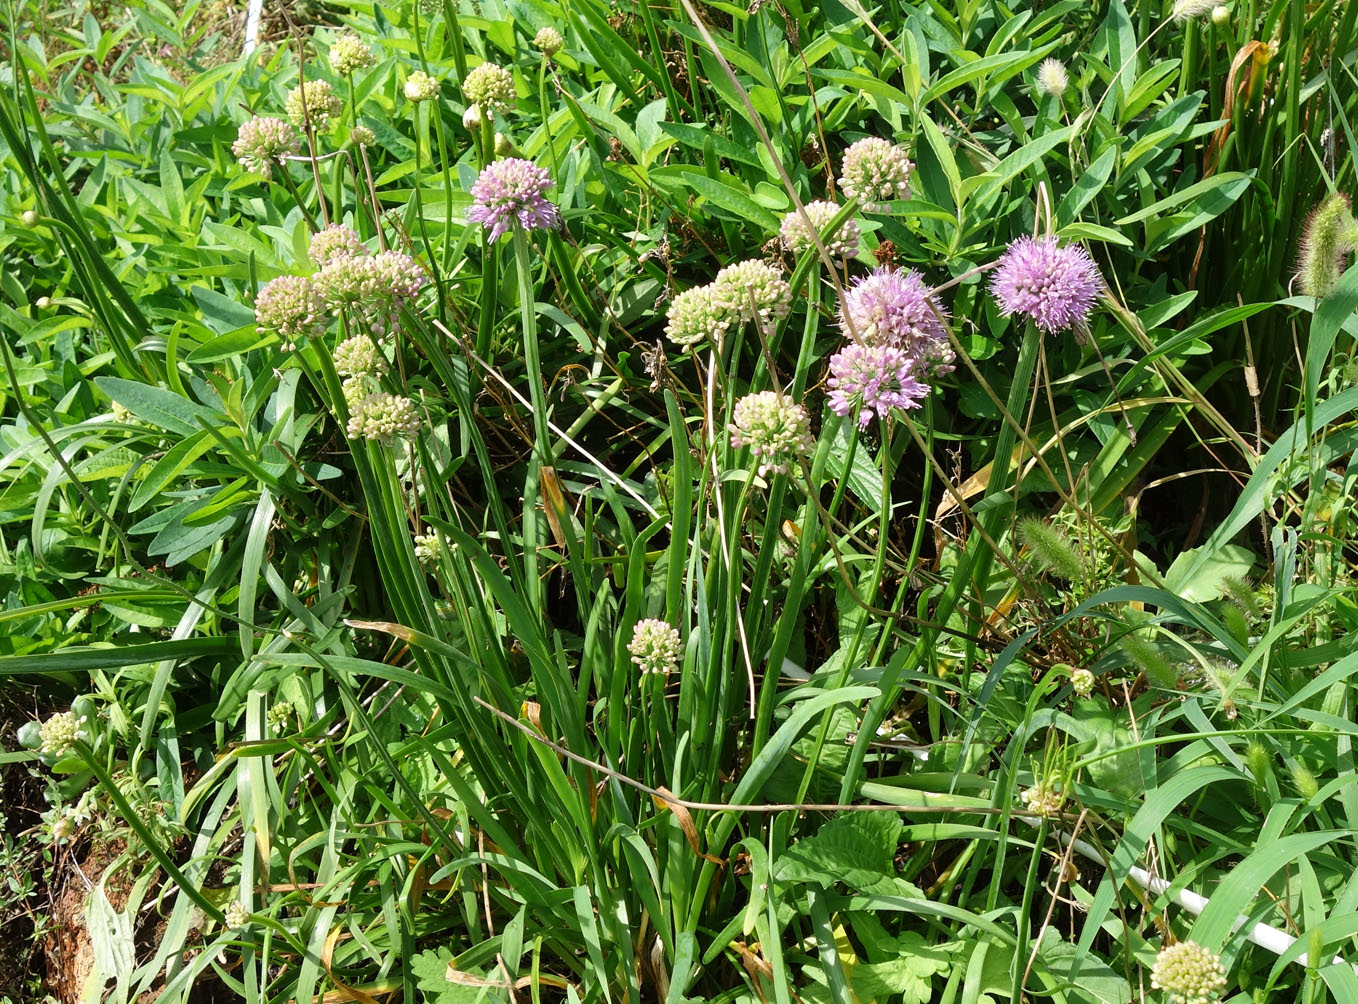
896,308
509,192
873,378
1053,284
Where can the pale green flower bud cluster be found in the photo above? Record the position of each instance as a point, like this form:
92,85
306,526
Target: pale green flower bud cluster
776,429
279,716
314,101
335,241
874,172
373,288
695,315
381,417
1082,682
548,41
292,308
655,647
490,86
753,289
357,356
428,547
60,733
350,53
264,141
1189,973
1044,799
237,916
797,237
420,86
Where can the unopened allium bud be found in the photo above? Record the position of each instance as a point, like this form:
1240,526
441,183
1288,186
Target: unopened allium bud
753,289
361,135
357,356
504,146
334,241
29,218
42,302
292,308
1082,682
1044,799
420,86
548,41
473,119
381,417
873,378
1189,973
695,314
874,172
897,308
490,86
655,647
1221,16
1052,78
775,428
237,915
62,828
60,733
314,101
798,237
1329,237
349,53
509,193
263,142
1053,284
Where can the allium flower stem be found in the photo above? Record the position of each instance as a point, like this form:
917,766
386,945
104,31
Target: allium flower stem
291,186
421,140
542,450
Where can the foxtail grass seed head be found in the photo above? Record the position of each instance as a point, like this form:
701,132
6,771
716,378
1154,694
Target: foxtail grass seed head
548,41
314,101
1187,10
696,315
1050,549
490,86
1052,78
1259,761
896,308
349,53
428,547
1189,973
868,379
510,193
237,916
1043,799
264,141
29,218
334,241
1221,16
420,86
60,733
776,430
1055,285
797,237
1082,682
361,135
381,417
753,289
292,308
1147,658
1305,780
655,647
874,172
1329,237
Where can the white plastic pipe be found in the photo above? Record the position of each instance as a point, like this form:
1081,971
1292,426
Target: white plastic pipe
252,27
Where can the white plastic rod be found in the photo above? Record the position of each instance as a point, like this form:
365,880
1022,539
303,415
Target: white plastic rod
252,27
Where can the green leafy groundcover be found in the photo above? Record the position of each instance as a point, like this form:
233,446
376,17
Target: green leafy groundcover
675,502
